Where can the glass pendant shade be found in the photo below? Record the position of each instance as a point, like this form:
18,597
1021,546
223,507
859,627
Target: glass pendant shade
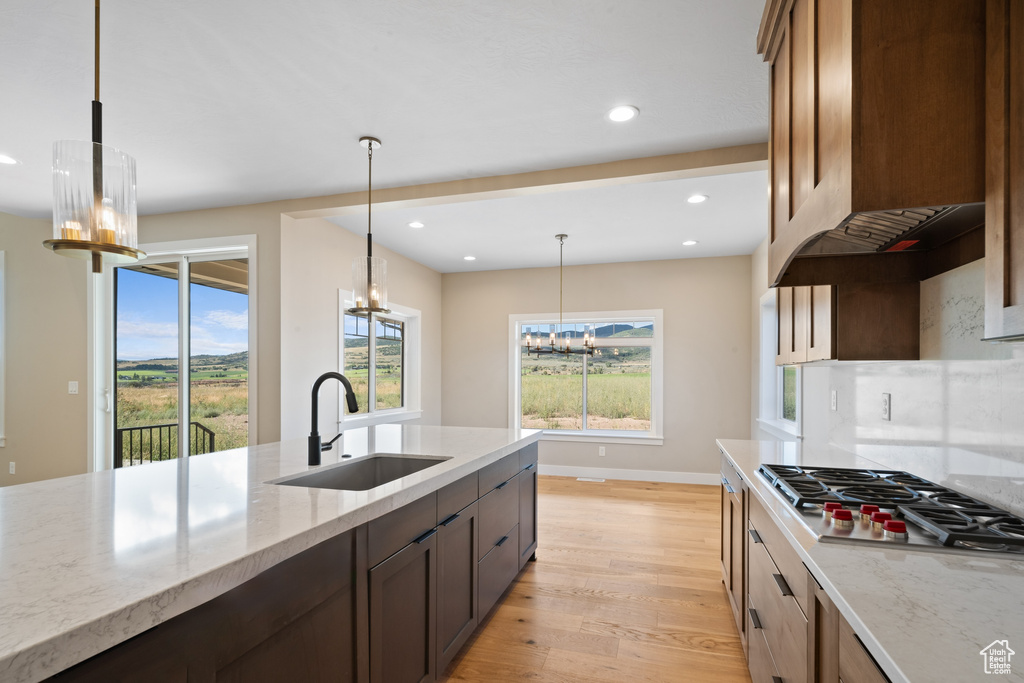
94,207
370,284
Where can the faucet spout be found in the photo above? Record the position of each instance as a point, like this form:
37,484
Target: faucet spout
314,445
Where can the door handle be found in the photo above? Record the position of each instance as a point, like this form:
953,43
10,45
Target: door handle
783,586
449,519
754,618
426,536
754,536
501,542
501,485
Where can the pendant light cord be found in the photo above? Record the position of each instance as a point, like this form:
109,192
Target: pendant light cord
369,201
97,95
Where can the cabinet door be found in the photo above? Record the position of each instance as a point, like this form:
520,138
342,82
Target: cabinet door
1004,182
457,575
819,323
855,663
527,514
726,547
784,316
497,570
737,555
403,622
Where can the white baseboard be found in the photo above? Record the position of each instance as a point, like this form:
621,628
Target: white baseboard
631,475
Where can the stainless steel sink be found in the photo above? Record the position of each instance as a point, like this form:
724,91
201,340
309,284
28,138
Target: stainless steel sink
363,474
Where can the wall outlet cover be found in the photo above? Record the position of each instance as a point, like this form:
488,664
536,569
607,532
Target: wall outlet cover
834,401
886,406
600,451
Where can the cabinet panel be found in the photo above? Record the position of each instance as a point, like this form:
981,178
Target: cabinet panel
497,569
456,496
499,512
804,105
497,472
1004,183
402,615
819,326
784,313
527,514
759,657
855,663
782,553
782,622
780,143
457,613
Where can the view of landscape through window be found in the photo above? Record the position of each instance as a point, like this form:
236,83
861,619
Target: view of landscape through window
146,352
617,391
388,360
789,393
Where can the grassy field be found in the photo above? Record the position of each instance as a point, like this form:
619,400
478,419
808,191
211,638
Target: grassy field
614,401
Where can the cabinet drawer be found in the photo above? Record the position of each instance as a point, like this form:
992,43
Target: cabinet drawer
455,496
759,657
497,472
499,512
856,665
783,555
731,478
528,456
497,569
782,623
392,532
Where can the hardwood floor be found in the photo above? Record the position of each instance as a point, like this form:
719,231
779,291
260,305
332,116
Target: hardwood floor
627,586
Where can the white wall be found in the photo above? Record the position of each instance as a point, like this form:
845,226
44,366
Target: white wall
45,342
707,353
316,261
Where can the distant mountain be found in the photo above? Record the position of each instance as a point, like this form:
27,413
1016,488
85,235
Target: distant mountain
232,360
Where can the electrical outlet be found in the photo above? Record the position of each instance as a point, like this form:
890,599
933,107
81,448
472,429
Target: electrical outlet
11,468
887,407
600,451
72,388
834,402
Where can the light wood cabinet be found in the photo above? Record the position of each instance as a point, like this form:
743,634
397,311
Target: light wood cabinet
734,527
863,321
876,105
1004,199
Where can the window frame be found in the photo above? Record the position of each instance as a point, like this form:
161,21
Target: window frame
411,319
653,436
771,401
3,347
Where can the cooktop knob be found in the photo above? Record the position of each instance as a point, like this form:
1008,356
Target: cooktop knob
878,520
866,511
895,530
842,519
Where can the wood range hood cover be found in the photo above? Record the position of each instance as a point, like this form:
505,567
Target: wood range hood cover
877,136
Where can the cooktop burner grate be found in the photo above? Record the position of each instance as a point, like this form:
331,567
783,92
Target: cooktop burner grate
969,528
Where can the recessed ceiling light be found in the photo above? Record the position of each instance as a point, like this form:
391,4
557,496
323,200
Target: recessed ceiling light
689,243
4,159
416,224
623,113
469,258
697,198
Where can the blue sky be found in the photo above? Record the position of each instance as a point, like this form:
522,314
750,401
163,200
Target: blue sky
147,318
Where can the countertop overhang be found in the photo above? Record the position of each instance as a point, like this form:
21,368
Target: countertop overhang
91,560
923,615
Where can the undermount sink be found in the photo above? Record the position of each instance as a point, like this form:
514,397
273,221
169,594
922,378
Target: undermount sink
364,473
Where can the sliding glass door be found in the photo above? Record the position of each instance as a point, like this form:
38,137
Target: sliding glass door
168,308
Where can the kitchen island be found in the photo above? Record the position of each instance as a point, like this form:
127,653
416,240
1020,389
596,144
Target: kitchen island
93,560
923,615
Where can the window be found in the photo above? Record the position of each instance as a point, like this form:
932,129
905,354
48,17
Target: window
615,392
781,386
380,357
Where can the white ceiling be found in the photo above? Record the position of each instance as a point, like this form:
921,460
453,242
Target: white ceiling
235,102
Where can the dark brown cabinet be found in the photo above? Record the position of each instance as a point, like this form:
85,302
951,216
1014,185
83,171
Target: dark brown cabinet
527,504
863,94
403,628
1004,185
850,321
296,621
457,581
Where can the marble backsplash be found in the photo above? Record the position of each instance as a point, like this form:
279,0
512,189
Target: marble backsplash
957,414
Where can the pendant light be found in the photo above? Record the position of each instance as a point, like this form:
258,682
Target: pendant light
94,211
556,343
370,274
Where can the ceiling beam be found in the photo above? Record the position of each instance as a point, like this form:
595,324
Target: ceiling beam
648,169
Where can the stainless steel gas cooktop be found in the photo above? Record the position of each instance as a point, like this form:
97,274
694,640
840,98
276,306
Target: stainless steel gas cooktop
885,506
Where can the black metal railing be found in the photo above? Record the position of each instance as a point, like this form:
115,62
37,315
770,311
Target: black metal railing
152,443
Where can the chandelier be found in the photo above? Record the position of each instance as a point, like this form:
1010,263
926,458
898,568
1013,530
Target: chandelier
94,211
370,274
561,344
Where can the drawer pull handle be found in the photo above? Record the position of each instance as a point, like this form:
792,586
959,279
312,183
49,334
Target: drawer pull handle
754,536
501,485
754,618
777,679
730,489
530,466
449,519
783,586
502,541
426,536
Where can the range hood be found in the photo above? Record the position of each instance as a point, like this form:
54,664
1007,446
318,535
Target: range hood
921,229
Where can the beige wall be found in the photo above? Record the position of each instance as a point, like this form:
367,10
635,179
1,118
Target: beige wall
45,348
707,321
316,261
758,286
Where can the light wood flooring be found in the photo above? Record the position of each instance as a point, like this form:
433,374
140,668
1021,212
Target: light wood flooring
627,586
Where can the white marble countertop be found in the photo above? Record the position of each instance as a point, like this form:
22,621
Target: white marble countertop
923,615
89,561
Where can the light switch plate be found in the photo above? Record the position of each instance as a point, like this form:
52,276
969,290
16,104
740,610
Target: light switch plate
887,407
834,402
72,387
